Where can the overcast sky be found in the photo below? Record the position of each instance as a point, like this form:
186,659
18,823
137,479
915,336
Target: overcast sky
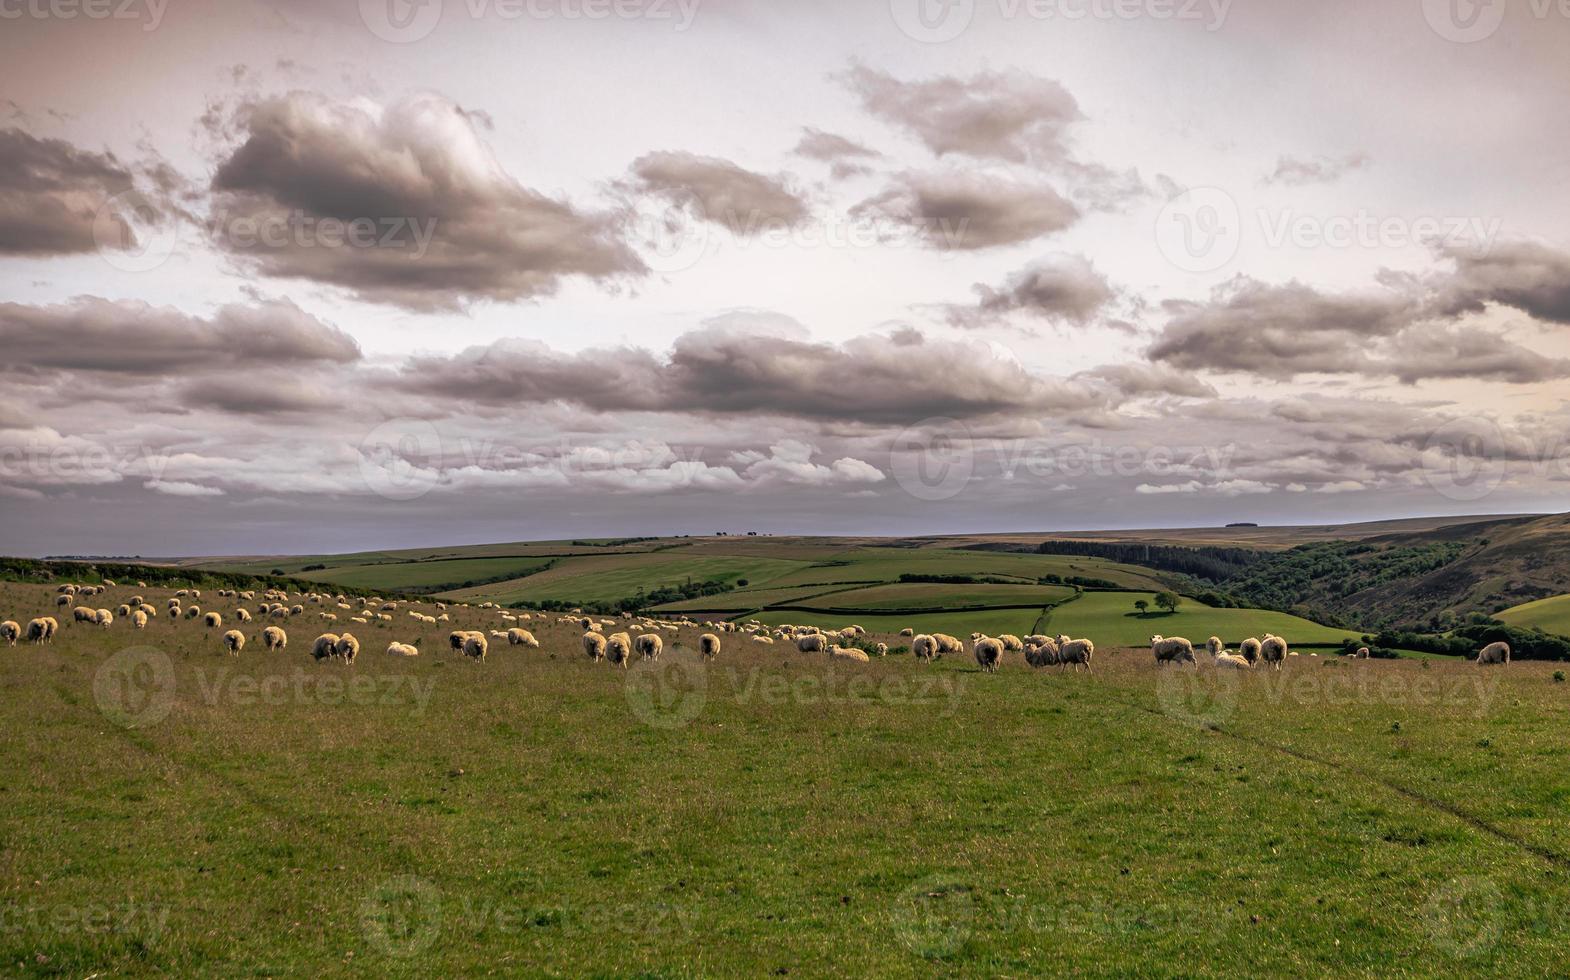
319,275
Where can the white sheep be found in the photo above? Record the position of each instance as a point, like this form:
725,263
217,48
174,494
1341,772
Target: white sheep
838,652
139,619
988,652
234,642
104,618
618,647
1232,661
594,646
1273,650
1174,650
1249,650
396,649
347,648
812,643
1043,653
1011,643
274,638
10,632
1494,653
948,644
709,646
925,648
521,638
649,646
213,620
325,646
243,615
1076,652
1215,647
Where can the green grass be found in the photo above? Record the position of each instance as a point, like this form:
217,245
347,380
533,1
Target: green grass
939,597
1550,615
540,815
888,564
1110,619
426,574
991,621
610,578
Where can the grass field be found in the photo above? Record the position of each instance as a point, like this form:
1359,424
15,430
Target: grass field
1550,615
990,621
939,597
426,574
169,810
608,578
1110,618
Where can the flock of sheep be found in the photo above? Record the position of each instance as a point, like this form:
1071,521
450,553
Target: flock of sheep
601,640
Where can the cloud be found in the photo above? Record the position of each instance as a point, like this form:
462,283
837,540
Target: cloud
447,225
50,193
1529,276
1298,172
135,338
876,379
965,212
1064,288
1009,116
180,488
846,157
720,191
1145,380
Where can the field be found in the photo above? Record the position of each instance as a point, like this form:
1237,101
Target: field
169,810
1551,615
1110,618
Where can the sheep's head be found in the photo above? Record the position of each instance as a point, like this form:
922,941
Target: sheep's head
1157,638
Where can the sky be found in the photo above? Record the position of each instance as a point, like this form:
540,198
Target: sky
303,276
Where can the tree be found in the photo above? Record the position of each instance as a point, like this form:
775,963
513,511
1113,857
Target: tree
1168,601
1141,606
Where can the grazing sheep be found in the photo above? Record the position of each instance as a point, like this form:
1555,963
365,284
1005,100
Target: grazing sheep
1077,652
234,642
124,610
455,640
213,620
1494,653
104,618
396,649
908,632
521,638
594,646
925,648
618,647
193,612
709,646
1273,650
837,652
1175,650
649,646
988,652
1043,653
325,646
82,614
37,631
1011,643
1232,661
1215,647
1363,653
812,643
476,646
347,648
139,619
948,644
274,638
1249,650
881,649
243,615
10,632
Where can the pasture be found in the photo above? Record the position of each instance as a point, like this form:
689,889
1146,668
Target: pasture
169,809
1551,615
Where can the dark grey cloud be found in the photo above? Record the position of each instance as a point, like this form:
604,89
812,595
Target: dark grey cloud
877,379
1145,380
1064,288
720,191
1529,276
50,193
139,339
1444,351
960,212
1010,116
1298,172
450,225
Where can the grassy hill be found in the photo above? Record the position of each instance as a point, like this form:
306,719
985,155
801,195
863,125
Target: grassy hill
1551,615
